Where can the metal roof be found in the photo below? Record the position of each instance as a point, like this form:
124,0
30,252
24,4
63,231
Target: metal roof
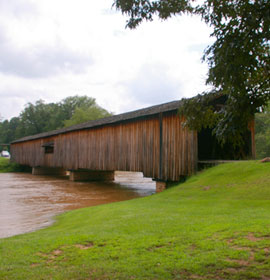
166,107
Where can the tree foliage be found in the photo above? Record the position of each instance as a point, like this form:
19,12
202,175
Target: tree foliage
262,136
36,118
40,117
8,130
238,60
83,114
71,103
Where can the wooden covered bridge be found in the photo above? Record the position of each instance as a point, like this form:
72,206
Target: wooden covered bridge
150,140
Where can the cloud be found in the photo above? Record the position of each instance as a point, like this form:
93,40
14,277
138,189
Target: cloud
18,8
153,84
14,98
40,61
54,49
11,105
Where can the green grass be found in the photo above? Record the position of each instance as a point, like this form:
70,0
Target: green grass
7,166
214,226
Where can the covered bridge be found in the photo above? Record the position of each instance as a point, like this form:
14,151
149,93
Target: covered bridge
150,140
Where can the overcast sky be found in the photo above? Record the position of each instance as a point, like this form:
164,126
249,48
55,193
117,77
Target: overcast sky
52,49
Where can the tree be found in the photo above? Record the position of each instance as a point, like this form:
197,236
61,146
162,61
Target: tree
81,115
8,130
41,117
238,60
69,105
262,136
35,118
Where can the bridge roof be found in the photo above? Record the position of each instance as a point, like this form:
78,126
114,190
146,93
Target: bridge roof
153,110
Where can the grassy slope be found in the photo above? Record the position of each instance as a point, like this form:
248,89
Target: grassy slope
215,226
7,166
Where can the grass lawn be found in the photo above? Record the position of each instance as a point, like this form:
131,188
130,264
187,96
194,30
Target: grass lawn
214,226
7,166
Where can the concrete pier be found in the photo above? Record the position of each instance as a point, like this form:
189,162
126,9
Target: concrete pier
91,175
160,186
48,171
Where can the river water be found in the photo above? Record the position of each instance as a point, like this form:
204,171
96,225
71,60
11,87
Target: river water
29,202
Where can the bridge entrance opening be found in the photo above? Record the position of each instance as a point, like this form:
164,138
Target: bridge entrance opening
209,147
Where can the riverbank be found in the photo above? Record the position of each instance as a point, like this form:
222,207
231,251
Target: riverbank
7,166
214,226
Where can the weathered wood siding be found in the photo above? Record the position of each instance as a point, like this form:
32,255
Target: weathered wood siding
179,149
135,145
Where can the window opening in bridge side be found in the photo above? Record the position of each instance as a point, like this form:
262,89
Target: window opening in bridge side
48,147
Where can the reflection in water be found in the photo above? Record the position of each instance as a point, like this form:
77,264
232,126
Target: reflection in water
29,202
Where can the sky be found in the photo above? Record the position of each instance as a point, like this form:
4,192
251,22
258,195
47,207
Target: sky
52,49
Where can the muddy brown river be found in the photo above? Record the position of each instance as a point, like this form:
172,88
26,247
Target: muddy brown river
28,202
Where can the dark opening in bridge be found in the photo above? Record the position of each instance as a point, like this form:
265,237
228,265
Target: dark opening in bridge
48,147
210,149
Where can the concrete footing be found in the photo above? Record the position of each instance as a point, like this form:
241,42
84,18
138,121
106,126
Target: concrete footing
87,175
48,171
160,186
